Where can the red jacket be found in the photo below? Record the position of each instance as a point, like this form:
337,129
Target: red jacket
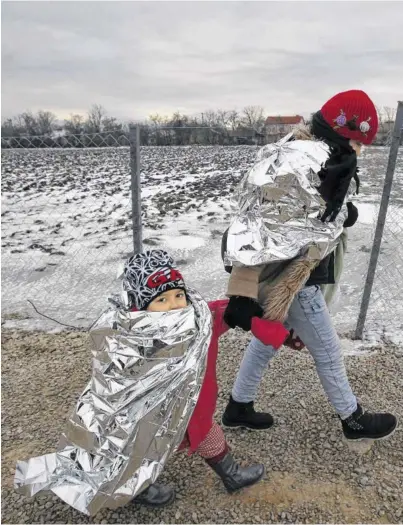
202,418
200,423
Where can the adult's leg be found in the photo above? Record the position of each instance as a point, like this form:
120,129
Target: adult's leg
255,361
240,411
312,323
311,320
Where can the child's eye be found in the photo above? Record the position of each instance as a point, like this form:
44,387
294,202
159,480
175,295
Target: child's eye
161,299
180,295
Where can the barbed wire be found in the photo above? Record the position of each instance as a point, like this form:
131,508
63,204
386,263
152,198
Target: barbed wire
103,139
149,135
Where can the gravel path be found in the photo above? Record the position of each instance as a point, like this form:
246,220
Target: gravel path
312,475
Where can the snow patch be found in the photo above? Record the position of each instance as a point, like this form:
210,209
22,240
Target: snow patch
66,228
185,243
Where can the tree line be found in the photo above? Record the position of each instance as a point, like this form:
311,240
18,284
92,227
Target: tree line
98,129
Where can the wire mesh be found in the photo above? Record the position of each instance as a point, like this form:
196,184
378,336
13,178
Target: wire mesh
384,320
67,213
66,217
65,222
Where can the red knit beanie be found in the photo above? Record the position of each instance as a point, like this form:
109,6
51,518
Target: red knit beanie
352,115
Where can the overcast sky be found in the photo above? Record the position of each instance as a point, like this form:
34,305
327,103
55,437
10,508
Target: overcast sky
137,58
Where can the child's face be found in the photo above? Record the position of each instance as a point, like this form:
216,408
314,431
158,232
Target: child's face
356,146
169,300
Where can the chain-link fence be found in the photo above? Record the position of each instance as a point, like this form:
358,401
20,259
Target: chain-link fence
65,223
111,139
149,135
71,214
381,311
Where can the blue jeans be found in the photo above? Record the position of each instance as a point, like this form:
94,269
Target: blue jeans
310,319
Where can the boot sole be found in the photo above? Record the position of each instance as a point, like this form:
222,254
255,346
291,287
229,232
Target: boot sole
367,438
243,425
233,491
155,505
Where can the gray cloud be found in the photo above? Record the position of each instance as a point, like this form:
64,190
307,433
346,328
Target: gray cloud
136,58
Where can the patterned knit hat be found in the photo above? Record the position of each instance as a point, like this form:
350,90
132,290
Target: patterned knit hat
352,115
149,274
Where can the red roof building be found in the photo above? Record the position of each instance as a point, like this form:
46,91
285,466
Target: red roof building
279,126
296,119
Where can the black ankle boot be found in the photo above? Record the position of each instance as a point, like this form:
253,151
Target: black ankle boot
155,496
234,476
361,425
244,415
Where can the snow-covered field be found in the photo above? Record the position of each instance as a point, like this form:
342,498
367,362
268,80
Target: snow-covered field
66,228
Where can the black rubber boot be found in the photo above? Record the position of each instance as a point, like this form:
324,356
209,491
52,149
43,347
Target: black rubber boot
155,496
244,415
234,476
364,425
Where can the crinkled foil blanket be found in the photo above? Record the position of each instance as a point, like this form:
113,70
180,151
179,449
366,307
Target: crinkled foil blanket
147,374
279,207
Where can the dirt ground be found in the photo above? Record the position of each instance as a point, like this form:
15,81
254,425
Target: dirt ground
313,476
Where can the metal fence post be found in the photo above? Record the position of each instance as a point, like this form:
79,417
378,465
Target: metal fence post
376,246
134,138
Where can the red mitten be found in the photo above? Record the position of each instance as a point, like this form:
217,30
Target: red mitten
269,332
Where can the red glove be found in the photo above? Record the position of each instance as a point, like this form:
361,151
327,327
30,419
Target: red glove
269,332
294,342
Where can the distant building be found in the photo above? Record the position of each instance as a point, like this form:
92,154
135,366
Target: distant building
244,135
278,127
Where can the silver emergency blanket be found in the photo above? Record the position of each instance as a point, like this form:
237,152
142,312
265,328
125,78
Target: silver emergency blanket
278,207
147,373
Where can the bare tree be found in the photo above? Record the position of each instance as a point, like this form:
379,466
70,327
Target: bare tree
381,118
223,118
145,132
389,114
158,135
10,128
94,122
46,121
158,120
28,123
74,125
234,119
181,128
386,115
386,118
111,124
253,118
210,118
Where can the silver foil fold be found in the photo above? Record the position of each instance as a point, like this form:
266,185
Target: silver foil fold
279,207
147,373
